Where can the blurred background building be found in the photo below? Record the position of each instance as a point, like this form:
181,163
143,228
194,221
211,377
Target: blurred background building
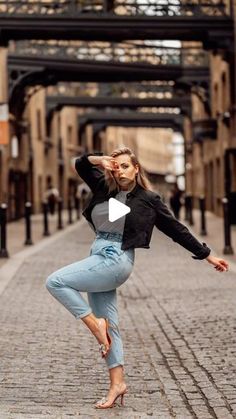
164,85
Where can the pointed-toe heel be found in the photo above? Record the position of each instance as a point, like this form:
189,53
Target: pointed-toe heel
122,398
100,404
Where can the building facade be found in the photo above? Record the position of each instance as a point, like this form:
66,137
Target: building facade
211,140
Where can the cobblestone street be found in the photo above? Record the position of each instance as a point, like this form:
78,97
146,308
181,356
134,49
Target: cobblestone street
177,319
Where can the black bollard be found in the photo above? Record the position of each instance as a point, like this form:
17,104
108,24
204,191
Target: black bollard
228,250
3,227
186,212
77,207
28,239
70,220
203,231
60,206
190,209
45,219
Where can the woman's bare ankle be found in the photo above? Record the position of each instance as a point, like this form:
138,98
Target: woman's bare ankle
93,323
118,383
101,326
117,378
98,328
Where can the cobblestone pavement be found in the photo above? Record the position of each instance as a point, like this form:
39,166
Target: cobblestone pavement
177,319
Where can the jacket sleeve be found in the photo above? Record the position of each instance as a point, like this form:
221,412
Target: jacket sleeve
90,173
179,233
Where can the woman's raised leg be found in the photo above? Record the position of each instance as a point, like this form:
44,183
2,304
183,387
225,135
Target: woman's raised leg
90,274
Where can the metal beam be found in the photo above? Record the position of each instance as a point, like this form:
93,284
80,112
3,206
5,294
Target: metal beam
133,119
58,102
30,71
213,31
88,70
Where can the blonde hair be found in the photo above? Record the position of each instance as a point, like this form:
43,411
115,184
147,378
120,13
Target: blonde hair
141,178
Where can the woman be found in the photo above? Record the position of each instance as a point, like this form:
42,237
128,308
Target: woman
112,253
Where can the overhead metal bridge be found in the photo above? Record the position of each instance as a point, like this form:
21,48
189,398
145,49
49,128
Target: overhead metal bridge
209,21
25,71
132,119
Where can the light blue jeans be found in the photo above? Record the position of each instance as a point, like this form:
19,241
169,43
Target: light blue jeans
99,275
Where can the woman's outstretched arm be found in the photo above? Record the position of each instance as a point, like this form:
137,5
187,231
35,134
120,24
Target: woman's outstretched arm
170,226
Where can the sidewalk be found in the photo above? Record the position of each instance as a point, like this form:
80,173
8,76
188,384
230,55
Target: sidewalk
215,233
177,320
16,232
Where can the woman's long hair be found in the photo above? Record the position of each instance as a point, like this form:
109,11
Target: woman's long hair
141,178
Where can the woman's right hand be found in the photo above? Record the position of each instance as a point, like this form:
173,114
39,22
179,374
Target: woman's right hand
109,163
106,162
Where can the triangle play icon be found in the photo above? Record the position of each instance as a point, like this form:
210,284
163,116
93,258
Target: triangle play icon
116,209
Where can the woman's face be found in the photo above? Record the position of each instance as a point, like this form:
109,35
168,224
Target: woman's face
125,172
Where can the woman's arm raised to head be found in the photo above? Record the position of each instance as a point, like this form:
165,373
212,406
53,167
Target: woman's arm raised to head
87,167
90,168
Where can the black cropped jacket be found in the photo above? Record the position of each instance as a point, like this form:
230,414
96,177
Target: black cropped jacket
147,211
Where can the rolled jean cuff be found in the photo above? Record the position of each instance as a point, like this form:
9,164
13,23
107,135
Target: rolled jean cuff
116,364
80,316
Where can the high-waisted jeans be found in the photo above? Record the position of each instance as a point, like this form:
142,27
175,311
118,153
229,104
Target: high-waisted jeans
107,267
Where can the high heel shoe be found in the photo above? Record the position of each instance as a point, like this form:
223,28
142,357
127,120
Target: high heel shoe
102,347
99,405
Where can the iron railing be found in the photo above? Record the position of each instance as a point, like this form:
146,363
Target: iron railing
124,52
146,89
171,8
161,8
142,90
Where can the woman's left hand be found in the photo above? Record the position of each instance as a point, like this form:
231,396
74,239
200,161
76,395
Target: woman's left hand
219,264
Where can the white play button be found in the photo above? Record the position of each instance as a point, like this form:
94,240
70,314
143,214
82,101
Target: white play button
116,209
